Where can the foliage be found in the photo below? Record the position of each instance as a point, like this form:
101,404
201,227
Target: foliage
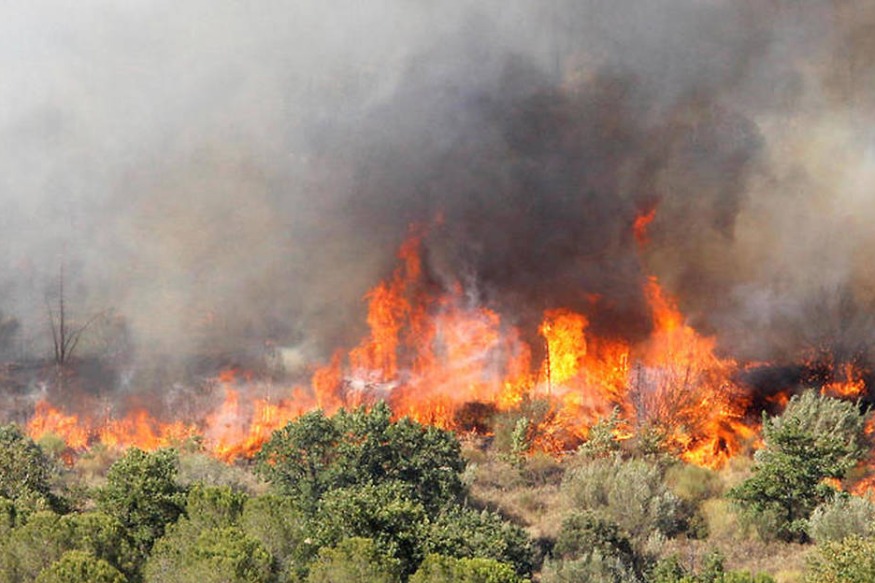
278,523
80,567
214,506
602,439
815,438
216,555
585,532
442,569
851,560
315,454
143,494
842,517
25,473
30,548
594,567
354,560
629,493
464,532
384,513
670,570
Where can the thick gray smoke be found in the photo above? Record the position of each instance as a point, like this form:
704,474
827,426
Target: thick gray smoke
214,175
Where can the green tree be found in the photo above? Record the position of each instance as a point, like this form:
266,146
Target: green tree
384,513
215,555
315,454
80,567
25,473
815,438
143,494
354,560
466,533
214,506
278,523
30,548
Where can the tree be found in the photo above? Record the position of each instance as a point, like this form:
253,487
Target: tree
25,473
383,513
215,555
143,494
467,533
80,567
354,560
278,523
30,548
65,336
315,454
815,438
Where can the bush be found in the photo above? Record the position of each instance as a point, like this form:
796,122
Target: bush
849,561
25,473
278,523
595,567
384,514
441,569
842,517
629,493
585,533
216,555
467,533
143,494
354,560
80,567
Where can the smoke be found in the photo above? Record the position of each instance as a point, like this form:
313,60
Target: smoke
217,175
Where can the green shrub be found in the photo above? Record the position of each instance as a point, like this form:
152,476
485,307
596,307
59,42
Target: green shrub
80,567
842,517
441,569
851,560
385,514
278,523
594,567
142,492
468,533
354,560
629,493
215,555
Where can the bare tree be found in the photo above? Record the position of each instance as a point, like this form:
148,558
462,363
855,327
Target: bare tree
65,336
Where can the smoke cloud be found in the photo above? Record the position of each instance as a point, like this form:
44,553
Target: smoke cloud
214,175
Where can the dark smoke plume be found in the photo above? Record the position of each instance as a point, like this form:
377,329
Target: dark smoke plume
218,175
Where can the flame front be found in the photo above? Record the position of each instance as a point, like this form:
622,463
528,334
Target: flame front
430,353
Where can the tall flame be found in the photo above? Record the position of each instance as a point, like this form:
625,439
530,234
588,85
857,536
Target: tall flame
429,354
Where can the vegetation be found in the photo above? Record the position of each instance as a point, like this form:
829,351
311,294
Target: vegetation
816,438
360,497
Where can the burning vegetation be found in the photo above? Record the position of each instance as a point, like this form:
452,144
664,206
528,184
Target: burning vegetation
435,354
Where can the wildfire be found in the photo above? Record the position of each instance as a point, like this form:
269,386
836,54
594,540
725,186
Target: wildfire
430,353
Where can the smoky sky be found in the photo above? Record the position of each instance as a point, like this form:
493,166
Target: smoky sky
216,175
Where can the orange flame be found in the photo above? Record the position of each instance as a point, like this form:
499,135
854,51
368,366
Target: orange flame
429,354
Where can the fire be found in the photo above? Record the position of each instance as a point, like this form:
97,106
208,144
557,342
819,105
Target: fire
430,352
